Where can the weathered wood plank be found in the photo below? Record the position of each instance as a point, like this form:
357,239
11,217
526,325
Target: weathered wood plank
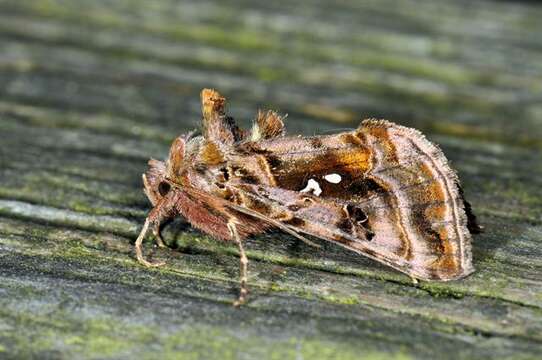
90,90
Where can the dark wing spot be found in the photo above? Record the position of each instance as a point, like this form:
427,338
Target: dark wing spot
250,179
363,188
273,161
295,221
200,168
246,176
345,225
225,173
359,221
356,214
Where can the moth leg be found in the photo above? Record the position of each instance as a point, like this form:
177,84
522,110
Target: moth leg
243,264
414,280
157,231
139,247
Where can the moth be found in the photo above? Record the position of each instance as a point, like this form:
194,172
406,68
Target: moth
381,190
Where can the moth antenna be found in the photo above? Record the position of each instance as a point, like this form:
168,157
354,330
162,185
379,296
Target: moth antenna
139,247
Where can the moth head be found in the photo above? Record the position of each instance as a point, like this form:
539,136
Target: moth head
160,176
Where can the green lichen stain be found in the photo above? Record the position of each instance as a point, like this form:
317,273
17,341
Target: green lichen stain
441,290
210,342
109,337
96,338
344,300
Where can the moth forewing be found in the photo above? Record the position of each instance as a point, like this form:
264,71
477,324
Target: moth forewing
382,190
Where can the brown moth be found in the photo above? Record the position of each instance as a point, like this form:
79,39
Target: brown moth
382,190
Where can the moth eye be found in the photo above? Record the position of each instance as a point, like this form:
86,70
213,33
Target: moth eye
163,188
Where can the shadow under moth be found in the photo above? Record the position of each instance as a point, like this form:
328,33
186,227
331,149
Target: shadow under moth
382,190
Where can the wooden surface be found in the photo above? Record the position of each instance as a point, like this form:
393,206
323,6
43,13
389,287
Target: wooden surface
89,90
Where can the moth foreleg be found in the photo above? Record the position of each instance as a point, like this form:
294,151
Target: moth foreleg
139,246
243,264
